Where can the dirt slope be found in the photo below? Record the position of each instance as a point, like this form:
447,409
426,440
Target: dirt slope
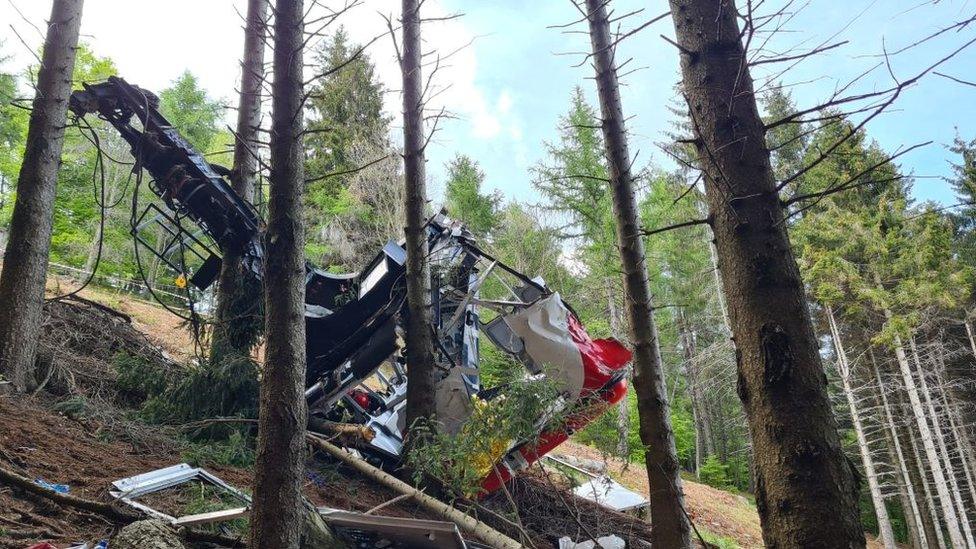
88,454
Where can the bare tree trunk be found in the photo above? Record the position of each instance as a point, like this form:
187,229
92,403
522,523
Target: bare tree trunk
906,488
420,345
844,368
960,509
928,443
276,519
29,241
717,275
972,338
670,523
965,456
932,526
703,429
623,407
806,489
232,333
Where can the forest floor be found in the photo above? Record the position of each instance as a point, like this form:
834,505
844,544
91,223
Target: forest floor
88,445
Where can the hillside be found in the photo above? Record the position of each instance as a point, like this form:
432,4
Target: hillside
86,442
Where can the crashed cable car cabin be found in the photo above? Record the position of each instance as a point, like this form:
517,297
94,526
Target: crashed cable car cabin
356,370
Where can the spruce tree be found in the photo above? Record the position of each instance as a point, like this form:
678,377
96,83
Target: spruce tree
464,199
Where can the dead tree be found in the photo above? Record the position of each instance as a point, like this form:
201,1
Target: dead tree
806,489
671,527
29,243
420,345
857,418
276,519
233,298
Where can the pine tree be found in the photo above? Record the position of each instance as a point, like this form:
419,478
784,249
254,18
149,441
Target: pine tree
345,114
278,506
186,105
238,317
463,197
420,345
964,183
26,256
671,527
806,490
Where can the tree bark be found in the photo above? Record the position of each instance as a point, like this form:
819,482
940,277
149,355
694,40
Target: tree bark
806,489
276,519
906,487
232,288
877,499
29,239
420,345
670,523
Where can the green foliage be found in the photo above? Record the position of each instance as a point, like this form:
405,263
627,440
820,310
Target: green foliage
13,130
205,498
237,450
225,389
186,105
717,541
345,112
964,184
787,142
463,197
715,473
75,407
137,379
868,248
461,461
574,181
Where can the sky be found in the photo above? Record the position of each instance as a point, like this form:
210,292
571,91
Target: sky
510,77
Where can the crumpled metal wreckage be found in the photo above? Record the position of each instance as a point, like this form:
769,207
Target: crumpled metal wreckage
355,358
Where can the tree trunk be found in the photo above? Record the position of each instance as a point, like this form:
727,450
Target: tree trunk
236,325
29,239
717,275
928,443
844,369
420,345
703,429
905,487
972,338
960,509
806,489
623,407
964,456
277,515
670,524
933,528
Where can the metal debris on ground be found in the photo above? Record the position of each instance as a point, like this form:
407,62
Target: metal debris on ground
605,542
601,489
128,489
369,531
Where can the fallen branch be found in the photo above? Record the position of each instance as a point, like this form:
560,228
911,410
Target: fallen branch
13,479
465,522
103,509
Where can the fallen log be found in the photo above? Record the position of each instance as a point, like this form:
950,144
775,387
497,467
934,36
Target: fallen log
469,524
